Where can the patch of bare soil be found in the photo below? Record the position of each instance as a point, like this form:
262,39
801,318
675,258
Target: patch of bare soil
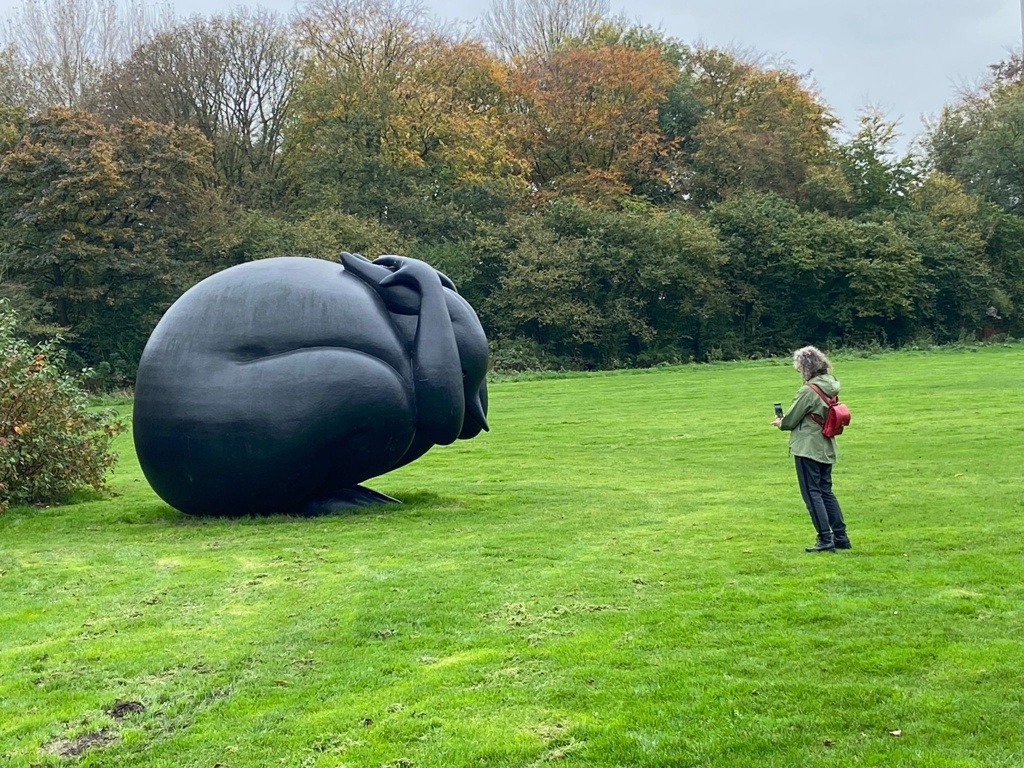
75,747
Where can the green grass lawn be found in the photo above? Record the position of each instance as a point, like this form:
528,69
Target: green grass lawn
613,576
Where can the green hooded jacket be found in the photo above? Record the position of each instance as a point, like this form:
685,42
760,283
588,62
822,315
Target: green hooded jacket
805,438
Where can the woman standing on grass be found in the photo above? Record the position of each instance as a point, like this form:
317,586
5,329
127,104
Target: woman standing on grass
815,454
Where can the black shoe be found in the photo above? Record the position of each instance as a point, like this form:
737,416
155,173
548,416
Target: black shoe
824,543
843,542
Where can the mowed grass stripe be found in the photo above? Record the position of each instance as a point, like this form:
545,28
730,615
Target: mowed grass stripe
613,576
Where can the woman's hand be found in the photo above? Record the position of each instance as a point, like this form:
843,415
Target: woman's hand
777,421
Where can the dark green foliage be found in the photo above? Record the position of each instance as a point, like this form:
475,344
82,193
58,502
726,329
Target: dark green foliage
609,288
957,283
878,179
321,234
519,355
50,442
623,200
106,227
1004,251
797,277
978,142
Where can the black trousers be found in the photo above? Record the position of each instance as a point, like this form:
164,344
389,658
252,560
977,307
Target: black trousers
816,488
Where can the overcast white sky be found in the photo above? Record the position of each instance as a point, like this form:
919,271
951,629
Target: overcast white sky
907,57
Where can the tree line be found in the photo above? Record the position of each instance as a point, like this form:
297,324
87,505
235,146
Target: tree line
603,194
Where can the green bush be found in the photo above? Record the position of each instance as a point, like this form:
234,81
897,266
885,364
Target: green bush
520,355
50,442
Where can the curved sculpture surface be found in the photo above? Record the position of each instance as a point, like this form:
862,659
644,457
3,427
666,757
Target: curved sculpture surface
280,385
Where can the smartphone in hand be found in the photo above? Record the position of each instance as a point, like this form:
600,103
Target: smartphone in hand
778,410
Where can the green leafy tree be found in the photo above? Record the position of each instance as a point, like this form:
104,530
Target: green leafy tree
105,225
878,178
760,129
545,293
320,234
232,78
951,230
978,139
1005,253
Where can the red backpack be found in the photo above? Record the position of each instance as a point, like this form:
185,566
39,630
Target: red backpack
838,415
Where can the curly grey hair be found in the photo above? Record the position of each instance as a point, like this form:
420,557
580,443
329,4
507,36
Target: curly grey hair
811,362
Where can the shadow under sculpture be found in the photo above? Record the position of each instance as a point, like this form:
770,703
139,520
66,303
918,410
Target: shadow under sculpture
278,386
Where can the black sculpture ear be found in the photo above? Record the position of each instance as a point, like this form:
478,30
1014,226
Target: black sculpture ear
363,268
395,263
446,281
400,299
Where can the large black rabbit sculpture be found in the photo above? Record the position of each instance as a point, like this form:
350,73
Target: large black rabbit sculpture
278,386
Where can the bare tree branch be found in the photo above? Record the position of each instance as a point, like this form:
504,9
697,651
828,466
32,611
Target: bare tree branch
231,77
67,45
531,27
366,37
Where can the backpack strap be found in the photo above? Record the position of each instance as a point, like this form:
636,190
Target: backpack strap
827,400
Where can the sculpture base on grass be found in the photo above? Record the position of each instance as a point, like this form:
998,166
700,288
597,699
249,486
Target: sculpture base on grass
348,498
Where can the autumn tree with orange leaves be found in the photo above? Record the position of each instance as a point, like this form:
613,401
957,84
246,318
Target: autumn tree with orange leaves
411,131
586,119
